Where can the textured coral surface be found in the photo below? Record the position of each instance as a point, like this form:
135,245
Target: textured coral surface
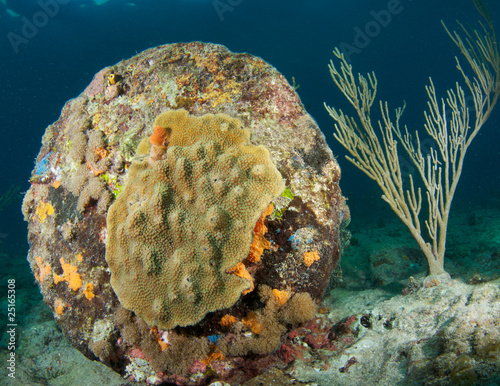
184,222
87,159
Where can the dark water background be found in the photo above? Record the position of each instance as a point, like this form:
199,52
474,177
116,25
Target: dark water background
296,36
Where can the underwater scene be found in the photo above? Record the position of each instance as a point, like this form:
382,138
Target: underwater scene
249,192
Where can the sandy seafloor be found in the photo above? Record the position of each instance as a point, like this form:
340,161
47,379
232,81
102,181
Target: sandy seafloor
401,333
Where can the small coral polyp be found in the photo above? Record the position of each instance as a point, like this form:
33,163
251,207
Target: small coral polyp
186,216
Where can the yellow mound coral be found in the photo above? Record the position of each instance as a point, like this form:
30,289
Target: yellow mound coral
185,218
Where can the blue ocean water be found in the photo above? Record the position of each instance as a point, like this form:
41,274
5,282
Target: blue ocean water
50,49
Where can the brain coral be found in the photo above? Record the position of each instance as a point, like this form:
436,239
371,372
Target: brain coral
185,218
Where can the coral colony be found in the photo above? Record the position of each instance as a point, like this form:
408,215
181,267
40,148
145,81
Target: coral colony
180,232
179,227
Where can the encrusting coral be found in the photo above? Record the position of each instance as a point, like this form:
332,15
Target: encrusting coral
182,226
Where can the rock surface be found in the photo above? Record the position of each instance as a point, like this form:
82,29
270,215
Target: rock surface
443,335
82,167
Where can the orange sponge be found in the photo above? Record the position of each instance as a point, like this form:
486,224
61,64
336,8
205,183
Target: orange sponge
160,136
241,271
259,242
